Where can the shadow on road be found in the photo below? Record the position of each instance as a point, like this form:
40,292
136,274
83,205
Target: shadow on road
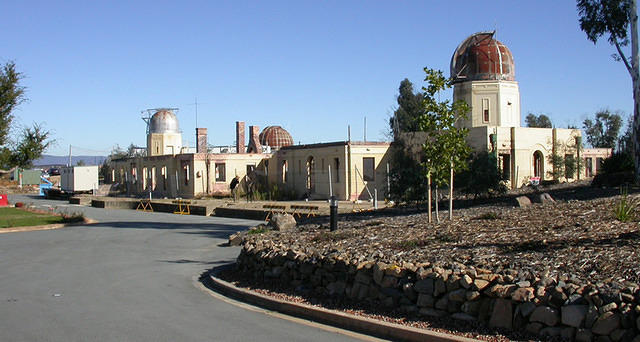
220,231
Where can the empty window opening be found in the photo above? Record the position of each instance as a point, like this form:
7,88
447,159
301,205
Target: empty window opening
185,172
221,175
538,164
311,166
285,170
588,167
336,162
485,110
163,172
145,177
368,169
505,166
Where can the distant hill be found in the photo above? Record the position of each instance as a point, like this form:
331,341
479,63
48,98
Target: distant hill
49,160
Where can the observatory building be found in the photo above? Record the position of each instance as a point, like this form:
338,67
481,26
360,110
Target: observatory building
346,169
483,70
163,133
484,75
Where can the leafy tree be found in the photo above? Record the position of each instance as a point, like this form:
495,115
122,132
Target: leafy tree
603,131
135,151
406,174
482,177
407,179
540,121
618,19
33,142
625,142
406,116
445,148
11,95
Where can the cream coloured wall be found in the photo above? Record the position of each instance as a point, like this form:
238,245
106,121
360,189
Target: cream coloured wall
520,143
503,100
164,143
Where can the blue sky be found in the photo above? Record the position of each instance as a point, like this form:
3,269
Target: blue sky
313,67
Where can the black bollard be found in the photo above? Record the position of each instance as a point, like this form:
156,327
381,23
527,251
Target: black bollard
333,210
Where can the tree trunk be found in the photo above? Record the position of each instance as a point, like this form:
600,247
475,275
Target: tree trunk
451,192
636,88
437,213
429,195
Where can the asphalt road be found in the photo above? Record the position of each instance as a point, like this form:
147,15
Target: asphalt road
128,278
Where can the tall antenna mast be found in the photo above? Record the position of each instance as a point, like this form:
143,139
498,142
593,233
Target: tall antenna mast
365,129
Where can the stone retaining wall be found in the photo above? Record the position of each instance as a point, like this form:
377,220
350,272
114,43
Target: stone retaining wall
509,299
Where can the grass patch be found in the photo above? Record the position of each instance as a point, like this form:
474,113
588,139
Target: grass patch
258,230
14,217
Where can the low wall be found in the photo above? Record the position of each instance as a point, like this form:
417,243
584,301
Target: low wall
157,206
515,300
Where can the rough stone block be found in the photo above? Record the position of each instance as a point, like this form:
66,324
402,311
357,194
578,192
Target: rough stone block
408,291
424,286
441,304
526,308
573,315
425,300
583,335
534,327
567,334
432,312
466,281
550,331
457,295
523,294
472,295
463,317
480,284
283,222
389,281
523,201
606,323
440,287
378,272
471,308
336,288
546,315
502,314
363,278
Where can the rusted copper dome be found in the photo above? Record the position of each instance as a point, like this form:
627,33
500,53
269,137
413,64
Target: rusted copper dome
481,57
276,137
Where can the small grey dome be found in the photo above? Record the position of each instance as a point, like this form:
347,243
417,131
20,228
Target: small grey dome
164,121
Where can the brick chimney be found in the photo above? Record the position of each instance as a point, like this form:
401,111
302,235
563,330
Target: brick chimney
201,140
240,137
254,140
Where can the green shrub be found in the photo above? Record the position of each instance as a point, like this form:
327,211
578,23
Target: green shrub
618,162
625,209
488,216
72,217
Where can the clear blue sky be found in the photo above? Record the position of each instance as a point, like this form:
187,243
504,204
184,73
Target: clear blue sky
313,67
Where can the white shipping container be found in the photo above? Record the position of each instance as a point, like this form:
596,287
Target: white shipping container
79,178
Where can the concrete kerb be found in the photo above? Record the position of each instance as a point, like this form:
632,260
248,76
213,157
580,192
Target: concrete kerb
392,331
46,226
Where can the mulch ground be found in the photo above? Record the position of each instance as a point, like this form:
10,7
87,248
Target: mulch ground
578,236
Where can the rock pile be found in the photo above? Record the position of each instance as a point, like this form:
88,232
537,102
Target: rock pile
549,306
